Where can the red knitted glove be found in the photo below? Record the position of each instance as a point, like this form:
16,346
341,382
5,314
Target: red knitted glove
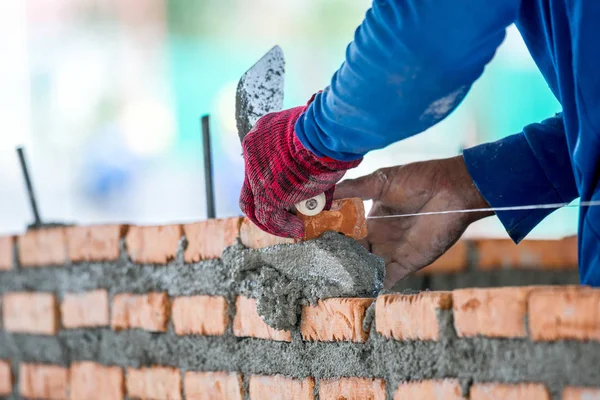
280,172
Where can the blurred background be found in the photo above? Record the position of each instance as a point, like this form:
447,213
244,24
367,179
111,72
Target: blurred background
106,96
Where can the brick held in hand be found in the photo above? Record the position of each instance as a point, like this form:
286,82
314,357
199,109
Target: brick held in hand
346,216
153,244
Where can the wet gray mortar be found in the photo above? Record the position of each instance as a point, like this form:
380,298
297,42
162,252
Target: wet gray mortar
555,364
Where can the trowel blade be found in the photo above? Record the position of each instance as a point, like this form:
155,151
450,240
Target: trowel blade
260,90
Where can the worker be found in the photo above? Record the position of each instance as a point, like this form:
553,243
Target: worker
411,63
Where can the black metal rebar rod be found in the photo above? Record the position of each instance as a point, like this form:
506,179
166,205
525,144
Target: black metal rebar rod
30,193
208,168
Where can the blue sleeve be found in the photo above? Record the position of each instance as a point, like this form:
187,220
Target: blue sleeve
532,167
410,64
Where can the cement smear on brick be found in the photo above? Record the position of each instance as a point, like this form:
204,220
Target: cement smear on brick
285,277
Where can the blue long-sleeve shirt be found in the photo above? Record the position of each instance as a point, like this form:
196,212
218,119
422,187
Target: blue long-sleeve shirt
413,61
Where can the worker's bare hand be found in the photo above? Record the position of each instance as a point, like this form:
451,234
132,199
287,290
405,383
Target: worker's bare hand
410,243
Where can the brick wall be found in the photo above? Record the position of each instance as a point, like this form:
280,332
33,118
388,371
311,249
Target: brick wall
115,312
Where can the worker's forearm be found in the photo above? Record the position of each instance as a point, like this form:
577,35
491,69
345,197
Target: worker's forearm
529,168
410,64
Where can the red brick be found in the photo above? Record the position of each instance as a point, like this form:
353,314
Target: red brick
278,387
213,386
5,378
208,239
92,381
494,312
94,243
352,389
253,237
85,310
542,254
154,383
147,311
447,389
247,322
200,315
564,313
6,252
498,391
333,320
452,261
41,247
26,312
581,393
153,244
346,216
411,317
40,381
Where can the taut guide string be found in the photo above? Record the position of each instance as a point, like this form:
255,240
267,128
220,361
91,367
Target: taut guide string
594,203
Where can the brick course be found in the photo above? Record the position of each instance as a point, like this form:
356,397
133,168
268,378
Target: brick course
200,315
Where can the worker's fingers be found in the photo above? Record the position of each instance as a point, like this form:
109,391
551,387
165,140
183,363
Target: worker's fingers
280,222
368,187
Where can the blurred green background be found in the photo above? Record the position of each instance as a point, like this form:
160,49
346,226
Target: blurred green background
106,95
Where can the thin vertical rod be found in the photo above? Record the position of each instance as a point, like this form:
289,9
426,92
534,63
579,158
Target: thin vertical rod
31,194
208,168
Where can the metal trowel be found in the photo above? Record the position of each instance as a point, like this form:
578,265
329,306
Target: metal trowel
259,92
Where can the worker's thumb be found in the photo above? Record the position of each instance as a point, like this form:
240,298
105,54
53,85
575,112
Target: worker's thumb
368,187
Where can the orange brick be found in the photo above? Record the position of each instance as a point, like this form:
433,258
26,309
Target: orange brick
580,393
447,389
352,389
5,378
26,312
6,252
94,243
494,312
411,317
247,323
333,320
278,387
346,216
452,261
253,237
200,315
544,254
147,311
41,247
40,381
213,385
154,383
85,310
92,381
207,239
153,244
564,313
498,391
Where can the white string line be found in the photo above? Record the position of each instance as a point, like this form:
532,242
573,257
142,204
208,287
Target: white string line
494,209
